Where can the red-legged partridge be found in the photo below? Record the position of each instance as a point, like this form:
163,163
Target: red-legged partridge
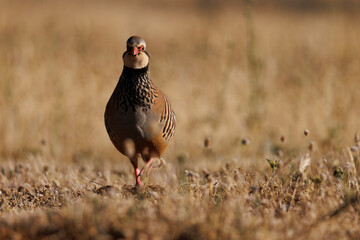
138,117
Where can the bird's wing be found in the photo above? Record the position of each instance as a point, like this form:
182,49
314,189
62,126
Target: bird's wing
168,118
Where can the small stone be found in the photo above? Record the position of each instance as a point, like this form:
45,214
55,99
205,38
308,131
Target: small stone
108,191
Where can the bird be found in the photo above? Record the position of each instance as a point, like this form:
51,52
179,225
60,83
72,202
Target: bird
138,116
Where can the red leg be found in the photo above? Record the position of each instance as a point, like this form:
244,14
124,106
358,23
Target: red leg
137,177
149,169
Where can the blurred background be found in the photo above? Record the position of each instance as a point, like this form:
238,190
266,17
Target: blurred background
233,70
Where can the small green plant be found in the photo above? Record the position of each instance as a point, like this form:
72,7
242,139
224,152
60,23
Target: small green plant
273,164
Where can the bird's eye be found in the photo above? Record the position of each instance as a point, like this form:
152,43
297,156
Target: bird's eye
141,48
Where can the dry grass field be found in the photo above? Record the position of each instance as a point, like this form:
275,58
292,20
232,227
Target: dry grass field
245,78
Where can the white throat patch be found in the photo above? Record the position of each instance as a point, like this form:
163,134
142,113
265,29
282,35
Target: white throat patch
136,62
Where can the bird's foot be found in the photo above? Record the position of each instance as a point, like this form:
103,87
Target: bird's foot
137,177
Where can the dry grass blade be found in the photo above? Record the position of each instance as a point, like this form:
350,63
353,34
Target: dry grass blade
305,162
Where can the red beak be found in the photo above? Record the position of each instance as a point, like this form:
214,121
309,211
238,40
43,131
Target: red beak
134,51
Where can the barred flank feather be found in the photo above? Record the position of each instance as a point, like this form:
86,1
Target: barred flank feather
170,121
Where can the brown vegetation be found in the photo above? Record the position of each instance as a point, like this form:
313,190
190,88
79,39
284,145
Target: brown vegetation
245,80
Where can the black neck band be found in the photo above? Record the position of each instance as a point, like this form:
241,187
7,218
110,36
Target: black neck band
128,70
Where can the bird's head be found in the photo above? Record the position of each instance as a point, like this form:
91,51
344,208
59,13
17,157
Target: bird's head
135,56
